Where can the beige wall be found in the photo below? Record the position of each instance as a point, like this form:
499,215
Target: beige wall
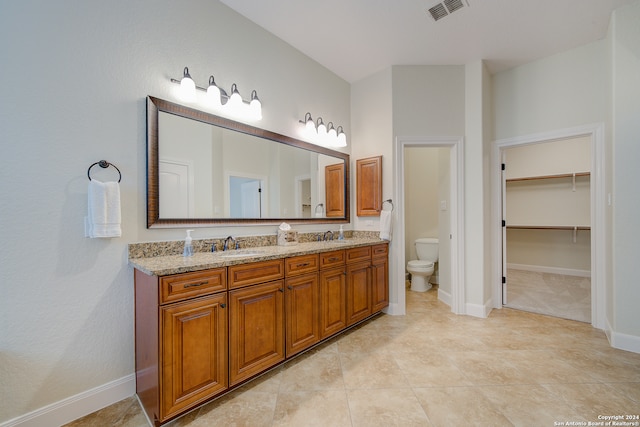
421,196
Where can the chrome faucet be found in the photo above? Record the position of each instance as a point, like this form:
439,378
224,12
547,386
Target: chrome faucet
330,235
226,243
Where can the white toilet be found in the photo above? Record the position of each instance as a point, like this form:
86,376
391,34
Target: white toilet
422,268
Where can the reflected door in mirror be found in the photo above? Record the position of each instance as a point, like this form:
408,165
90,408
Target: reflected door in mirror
334,187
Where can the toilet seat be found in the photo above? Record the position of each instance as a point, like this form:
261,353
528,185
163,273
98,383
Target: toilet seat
419,264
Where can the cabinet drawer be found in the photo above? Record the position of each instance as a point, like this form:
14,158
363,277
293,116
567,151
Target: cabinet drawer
332,259
359,254
380,250
301,264
256,272
189,285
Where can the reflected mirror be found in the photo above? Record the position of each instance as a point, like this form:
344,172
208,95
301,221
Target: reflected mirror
204,170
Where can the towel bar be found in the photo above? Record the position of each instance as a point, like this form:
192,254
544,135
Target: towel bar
387,201
104,164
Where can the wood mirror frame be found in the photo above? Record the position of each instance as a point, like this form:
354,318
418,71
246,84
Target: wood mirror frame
156,105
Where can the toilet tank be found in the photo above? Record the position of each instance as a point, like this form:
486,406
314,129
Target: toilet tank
427,249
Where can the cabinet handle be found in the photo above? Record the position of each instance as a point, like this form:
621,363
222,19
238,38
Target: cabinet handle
290,288
223,305
332,259
304,264
193,285
281,290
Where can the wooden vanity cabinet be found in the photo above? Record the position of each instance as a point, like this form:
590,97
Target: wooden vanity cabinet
379,277
358,284
333,293
302,303
367,281
194,352
200,334
181,340
256,318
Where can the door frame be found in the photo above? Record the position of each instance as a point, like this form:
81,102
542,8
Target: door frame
598,215
397,304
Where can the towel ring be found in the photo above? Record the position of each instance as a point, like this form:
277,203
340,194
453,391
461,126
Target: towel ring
104,164
387,201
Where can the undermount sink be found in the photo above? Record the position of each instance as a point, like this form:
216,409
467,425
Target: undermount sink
337,241
239,253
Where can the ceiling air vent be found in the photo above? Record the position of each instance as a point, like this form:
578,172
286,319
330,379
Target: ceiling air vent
438,11
447,7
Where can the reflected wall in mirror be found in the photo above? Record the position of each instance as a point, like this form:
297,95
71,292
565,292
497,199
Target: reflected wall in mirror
205,170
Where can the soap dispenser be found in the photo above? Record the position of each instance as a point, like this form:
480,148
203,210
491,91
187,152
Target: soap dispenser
188,247
341,235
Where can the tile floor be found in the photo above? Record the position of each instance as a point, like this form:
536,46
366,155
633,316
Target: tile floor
557,295
431,368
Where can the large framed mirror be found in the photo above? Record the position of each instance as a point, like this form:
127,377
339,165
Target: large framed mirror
205,170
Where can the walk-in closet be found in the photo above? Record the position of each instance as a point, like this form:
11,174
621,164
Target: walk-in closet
547,228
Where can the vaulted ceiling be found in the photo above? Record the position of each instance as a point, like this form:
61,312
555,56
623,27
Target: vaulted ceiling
356,38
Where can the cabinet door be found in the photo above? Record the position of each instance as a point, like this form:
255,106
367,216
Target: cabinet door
302,300
193,353
358,292
256,329
380,284
333,293
369,186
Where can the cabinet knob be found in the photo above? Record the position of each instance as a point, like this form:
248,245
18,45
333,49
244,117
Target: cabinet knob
290,288
281,290
223,305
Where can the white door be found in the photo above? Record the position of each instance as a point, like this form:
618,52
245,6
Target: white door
175,192
250,195
245,197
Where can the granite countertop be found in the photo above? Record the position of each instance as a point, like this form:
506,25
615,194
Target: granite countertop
174,264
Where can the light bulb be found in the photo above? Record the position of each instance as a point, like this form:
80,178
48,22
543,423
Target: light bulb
255,106
187,86
342,138
213,93
332,136
235,100
322,132
309,127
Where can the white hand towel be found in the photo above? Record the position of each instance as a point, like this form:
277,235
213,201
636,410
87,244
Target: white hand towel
103,219
385,225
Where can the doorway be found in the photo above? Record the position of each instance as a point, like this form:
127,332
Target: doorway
455,207
546,209
246,196
597,241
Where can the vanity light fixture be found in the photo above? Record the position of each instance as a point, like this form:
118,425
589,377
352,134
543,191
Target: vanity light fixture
319,134
218,98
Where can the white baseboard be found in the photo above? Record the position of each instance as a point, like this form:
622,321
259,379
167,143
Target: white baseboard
445,297
552,270
77,406
622,341
393,309
477,310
